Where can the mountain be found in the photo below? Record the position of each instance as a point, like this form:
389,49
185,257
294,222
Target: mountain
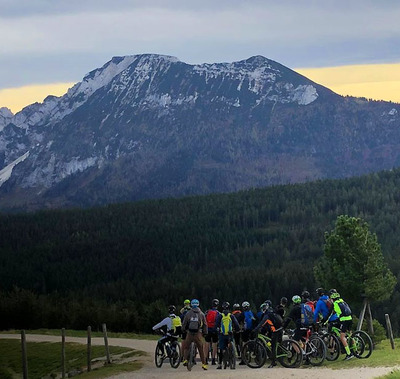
151,126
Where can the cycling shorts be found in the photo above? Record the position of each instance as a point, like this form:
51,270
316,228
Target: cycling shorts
345,326
212,336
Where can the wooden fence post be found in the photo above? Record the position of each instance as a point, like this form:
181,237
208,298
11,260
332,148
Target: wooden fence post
362,314
89,348
106,344
370,324
389,330
24,355
63,353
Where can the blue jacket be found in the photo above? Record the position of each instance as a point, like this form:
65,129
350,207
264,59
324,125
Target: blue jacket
322,308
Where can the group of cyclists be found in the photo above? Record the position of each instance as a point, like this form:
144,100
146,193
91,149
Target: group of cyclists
214,329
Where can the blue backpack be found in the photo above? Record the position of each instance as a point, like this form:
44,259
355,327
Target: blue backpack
248,320
307,314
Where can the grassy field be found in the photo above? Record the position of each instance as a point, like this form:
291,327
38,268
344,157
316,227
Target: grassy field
44,359
383,355
83,333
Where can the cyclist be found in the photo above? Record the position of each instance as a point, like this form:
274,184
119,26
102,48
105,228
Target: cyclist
280,308
238,334
195,326
185,309
171,326
212,335
226,324
271,325
306,299
295,316
323,307
344,320
247,322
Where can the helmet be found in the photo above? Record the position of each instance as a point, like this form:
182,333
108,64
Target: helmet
246,305
236,306
305,294
264,307
215,302
335,295
171,309
268,303
186,302
320,291
331,291
296,299
194,303
283,300
225,305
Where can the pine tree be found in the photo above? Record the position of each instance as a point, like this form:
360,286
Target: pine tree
353,262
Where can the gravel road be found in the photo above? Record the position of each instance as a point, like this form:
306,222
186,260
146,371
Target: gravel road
243,372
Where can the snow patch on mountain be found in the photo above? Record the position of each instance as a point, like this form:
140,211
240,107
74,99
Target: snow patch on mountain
6,172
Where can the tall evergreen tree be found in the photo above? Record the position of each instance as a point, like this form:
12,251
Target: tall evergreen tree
353,262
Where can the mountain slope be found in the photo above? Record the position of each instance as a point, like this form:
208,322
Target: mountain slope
151,126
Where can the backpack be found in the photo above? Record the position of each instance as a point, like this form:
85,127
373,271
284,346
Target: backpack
344,307
248,320
194,323
211,318
307,314
329,304
176,324
226,324
311,304
273,322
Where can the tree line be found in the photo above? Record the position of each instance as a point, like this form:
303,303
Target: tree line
124,264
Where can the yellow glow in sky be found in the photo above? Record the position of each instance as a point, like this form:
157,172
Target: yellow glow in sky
380,82
17,98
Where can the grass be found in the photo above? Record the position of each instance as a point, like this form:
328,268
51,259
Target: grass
44,359
83,333
383,355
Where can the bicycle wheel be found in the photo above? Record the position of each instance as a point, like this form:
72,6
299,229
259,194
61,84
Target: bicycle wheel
232,356
315,351
192,354
332,344
254,354
368,345
289,354
175,355
158,357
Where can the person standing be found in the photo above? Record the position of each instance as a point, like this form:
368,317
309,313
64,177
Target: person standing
212,335
195,326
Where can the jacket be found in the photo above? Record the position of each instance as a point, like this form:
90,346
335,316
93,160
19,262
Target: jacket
197,313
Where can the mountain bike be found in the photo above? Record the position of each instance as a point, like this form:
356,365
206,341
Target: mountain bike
192,356
172,351
360,343
332,343
256,351
314,347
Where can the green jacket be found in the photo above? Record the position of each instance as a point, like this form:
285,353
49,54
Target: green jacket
338,311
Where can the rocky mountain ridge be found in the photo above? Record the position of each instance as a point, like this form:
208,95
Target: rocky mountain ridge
148,126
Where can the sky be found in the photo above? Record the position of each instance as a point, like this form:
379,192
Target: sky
352,47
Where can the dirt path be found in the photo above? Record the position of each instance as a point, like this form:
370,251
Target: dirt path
243,372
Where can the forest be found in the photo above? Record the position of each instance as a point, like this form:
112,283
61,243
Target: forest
123,264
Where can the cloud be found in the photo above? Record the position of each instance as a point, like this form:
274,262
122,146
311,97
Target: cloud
293,33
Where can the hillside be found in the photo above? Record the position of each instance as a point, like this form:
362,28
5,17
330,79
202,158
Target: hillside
125,263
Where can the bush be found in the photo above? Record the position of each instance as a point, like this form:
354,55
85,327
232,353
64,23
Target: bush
379,331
